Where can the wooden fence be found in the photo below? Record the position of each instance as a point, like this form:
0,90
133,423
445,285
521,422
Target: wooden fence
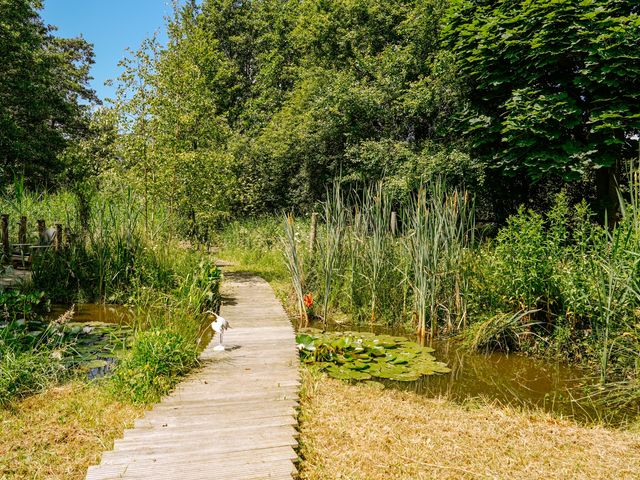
20,254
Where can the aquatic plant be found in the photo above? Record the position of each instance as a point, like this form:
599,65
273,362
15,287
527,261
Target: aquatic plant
441,226
362,356
330,246
504,332
293,259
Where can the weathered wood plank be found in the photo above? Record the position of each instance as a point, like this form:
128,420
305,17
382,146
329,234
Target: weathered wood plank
235,418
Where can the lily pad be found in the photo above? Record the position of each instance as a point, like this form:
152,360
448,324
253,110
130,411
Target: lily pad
361,356
95,364
342,373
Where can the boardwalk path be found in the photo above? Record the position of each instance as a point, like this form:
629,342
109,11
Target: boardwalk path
234,419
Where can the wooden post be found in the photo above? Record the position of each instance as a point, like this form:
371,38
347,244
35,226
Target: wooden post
5,238
57,239
22,231
67,237
42,226
394,223
313,232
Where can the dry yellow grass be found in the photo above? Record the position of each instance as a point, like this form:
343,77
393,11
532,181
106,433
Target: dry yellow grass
58,434
358,432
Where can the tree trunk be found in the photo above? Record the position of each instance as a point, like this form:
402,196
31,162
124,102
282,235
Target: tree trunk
607,202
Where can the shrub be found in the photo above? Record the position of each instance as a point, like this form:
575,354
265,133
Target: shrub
154,365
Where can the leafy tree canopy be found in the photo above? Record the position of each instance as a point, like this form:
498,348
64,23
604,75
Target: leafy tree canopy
44,94
553,87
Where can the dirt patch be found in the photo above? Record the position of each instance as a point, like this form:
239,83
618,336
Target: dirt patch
359,432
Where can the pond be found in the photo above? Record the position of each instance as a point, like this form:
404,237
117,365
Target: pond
94,312
512,379
97,334
100,334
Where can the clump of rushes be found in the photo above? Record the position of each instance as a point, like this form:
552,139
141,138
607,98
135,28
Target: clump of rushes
441,229
375,270
294,263
330,246
503,332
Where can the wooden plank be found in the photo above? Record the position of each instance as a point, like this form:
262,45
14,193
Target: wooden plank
235,418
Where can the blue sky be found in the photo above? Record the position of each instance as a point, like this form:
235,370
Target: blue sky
111,25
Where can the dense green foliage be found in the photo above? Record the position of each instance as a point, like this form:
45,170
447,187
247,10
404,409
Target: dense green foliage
553,86
254,106
44,94
168,287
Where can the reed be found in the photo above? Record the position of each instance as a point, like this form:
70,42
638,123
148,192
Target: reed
330,246
293,259
376,239
360,265
441,230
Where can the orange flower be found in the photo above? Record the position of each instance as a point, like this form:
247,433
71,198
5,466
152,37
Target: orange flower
308,300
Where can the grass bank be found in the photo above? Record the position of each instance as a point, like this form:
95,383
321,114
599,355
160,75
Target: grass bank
59,433
401,435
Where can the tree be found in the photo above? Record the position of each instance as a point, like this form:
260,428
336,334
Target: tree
553,87
44,93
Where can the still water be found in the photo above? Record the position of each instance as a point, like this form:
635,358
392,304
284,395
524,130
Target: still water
510,379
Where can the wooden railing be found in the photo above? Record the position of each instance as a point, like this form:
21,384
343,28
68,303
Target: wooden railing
20,254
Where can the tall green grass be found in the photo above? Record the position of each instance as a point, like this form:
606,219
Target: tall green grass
363,269
112,255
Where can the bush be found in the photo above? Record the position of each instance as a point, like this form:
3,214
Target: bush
154,365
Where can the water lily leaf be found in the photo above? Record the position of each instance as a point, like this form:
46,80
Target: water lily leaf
389,371
440,367
341,359
363,357
377,351
402,358
342,373
304,339
357,365
342,342
95,364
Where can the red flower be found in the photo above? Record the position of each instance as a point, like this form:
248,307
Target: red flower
308,300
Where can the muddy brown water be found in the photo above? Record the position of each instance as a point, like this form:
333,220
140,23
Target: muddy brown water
89,313
507,379
94,312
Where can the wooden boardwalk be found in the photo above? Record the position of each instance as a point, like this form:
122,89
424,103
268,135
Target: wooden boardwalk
233,419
